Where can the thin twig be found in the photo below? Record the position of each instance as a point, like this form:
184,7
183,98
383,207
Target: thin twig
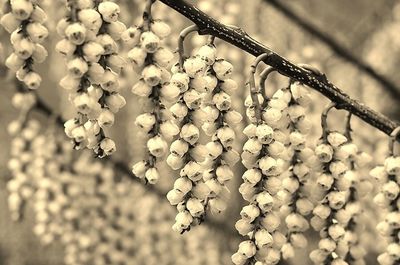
181,41
209,26
324,118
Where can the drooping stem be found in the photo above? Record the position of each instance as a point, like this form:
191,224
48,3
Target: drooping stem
324,118
181,41
252,83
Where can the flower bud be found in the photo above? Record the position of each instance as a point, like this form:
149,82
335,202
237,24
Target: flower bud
324,153
190,133
149,41
163,57
247,248
392,165
106,118
152,175
109,11
175,196
325,181
195,207
115,101
174,161
160,28
337,199
194,66
76,33
9,22
32,80
336,139
131,36
152,75
263,238
157,146
223,69
139,169
183,185
108,146
21,9
137,56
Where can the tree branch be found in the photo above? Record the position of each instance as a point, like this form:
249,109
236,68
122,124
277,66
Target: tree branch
336,47
237,37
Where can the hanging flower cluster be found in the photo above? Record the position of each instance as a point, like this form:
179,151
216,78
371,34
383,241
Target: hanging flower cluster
296,204
220,119
24,20
152,61
90,32
333,212
264,156
388,198
190,193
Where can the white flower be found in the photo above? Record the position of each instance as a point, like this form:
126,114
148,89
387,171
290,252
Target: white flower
201,191
184,219
298,240
296,223
379,174
181,80
169,129
247,248
250,212
179,110
192,98
229,86
244,227
115,29
14,62
327,245
385,259
222,101
287,251
163,57
109,11
224,173
336,199
139,169
108,43
90,18
152,175
152,75
195,207
157,146
263,238
106,118
9,22
131,36
336,139
252,176
183,185
238,259
179,147
268,165
252,146
325,181
392,165
24,48
264,201
174,161
37,32
190,133
391,190
192,170
32,80
39,54
337,168
21,9
76,33
336,231
214,149
272,115
271,222
226,135
77,67
137,56
223,69
233,117
65,47
217,205
318,256
324,152
92,51
194,66
304,206
175,196
141,88
110,81
115,101
207,53
149,41
108,146
69,126
160,28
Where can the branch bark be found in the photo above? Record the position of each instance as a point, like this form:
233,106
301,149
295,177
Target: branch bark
336,47
239,38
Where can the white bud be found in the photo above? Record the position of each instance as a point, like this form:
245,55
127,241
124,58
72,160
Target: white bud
108,43
32,80
109,11
337,199
190,133
106,118
175,196
37,32
152,175
250,212
392,165
336,139
271,222
192,98
21,9
108,146
194,66
115,29
77,67
224,173
163,57
174,161
324,152
149,41
151,75
65,47
131,36
325,181
195,207
222,101
223,69
76,33
160,28
179,110
115,101
9,22
207,53
247,248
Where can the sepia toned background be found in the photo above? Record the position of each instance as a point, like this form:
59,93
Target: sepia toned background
368,30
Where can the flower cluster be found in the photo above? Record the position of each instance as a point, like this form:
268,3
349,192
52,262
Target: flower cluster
152,60
25,22
333,212
264,155
190,193
90,33
220,119
296,204
388,176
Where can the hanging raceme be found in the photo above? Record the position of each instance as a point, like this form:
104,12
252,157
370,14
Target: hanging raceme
189,193
219,121
24,20
388,198
90,33
264,157
152,60
332,213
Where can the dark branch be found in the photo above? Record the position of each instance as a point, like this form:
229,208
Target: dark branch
239,38
336,47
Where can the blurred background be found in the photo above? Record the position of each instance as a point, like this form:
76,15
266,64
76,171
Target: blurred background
355,43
